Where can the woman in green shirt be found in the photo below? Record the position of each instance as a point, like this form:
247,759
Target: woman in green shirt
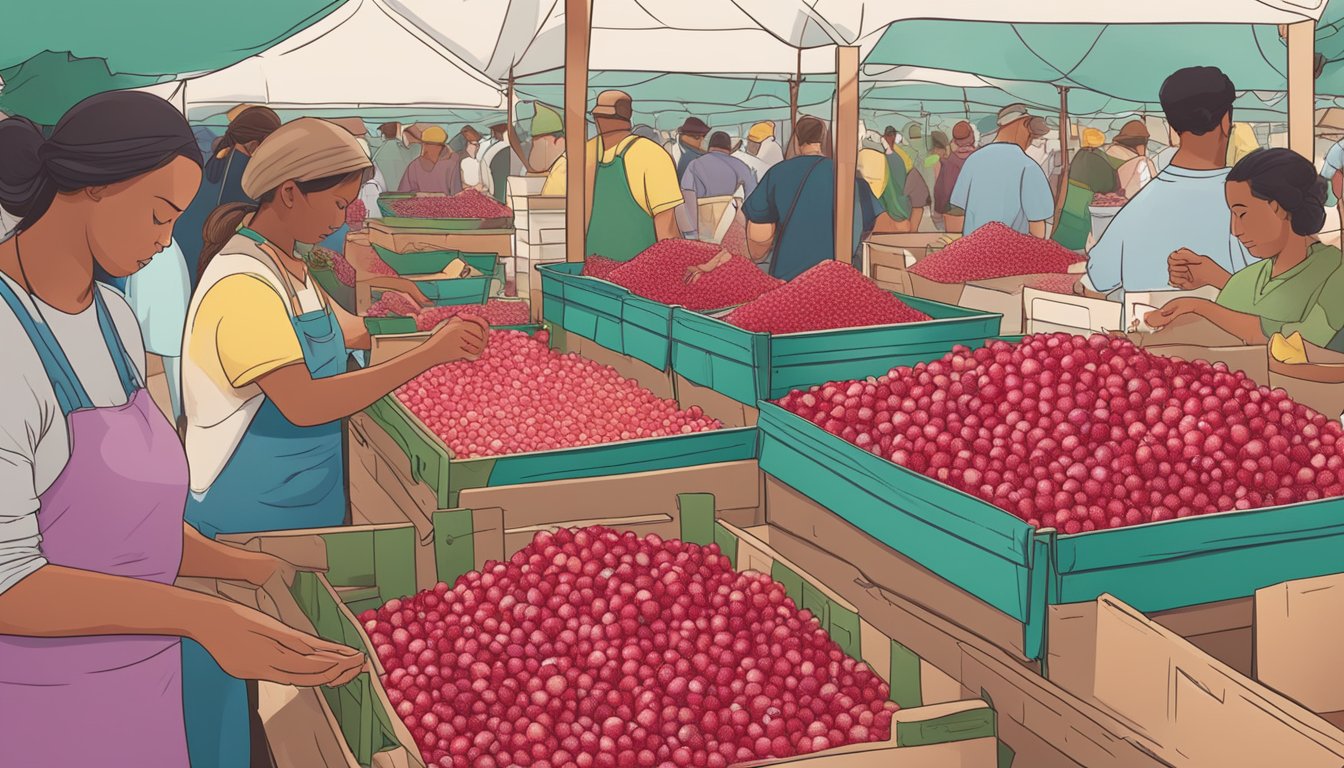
1278,205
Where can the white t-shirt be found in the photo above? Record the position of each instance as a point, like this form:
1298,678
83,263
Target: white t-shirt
34,440
218,413
471,171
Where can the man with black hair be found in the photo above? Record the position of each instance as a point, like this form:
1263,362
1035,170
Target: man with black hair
714,174
1180,220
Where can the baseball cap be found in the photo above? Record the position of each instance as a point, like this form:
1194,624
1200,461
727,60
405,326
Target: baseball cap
1012,113
434,135
614,104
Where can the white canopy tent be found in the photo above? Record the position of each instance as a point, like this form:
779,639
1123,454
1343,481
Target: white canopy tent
365,55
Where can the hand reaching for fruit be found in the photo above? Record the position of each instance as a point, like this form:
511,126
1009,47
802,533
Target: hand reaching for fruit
462,338
1173,309
694,273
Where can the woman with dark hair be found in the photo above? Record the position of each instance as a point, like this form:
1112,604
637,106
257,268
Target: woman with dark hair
93,481
265,381
1277,202
222,182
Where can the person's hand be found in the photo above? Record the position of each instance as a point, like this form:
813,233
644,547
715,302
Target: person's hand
250,645
1188,270
402,285
1160,318
462,338
694,273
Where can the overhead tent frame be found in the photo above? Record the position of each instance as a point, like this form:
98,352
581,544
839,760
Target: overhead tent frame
364,58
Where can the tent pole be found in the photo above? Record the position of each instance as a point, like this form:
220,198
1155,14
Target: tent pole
794,85
578,31
515,143
1302,88
1063,153
846,138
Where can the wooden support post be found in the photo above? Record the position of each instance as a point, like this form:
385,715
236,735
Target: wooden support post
578,32
1063,190
846,138
515,143
1302,88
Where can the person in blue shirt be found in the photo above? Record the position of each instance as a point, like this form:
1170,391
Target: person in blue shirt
714,174
1180,219
791,215
1000,182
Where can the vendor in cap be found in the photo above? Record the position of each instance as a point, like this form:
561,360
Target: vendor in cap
438,169
747,151
548,142
762,143
633,184
1089,174
999,182
690,142
1131,150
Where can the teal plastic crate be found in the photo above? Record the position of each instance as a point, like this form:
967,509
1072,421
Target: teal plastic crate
418,263
585,306
339,292
646,331
1018,570
750,366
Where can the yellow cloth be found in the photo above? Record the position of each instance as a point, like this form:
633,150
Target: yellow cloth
242,332
648,168
1093,138
761,131
905,157
303,150
873,168
1290,350
1241,143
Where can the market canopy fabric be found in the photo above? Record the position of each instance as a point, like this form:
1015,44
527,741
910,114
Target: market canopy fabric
52,54
361,58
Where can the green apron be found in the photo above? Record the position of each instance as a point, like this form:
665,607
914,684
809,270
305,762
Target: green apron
1075,220
619,228
894,200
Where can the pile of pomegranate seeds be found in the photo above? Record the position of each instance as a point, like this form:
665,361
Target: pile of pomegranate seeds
521,396
379,267
828,296
325,258
597,649
1081,434
994,250
1054,283
467,204
355,214
494,311
1109,200
659,274
599,266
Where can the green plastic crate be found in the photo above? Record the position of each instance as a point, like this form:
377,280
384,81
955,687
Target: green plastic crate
1018,570
338,292
432,262
585,306
750,366
433,464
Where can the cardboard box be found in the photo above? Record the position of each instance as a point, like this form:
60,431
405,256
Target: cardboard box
410,240
1047,312
1319,386
1297,649
1004,295
1183,703
1191,337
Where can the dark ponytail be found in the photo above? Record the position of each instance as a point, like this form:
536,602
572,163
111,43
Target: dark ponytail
1285,177
223,222
104,139
252,124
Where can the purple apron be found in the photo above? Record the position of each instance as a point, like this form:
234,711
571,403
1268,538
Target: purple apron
113,701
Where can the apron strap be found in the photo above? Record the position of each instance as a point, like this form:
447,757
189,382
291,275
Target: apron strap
70,394
281,273
126,369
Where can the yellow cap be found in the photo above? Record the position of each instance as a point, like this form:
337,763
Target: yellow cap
1093,138
1289,350
434,135
761,131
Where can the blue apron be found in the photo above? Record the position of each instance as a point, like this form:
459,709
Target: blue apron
280,477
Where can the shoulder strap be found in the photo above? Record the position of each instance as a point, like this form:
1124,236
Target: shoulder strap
784,222
70,394
127,372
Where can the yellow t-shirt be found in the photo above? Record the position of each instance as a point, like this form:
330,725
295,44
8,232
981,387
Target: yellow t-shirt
648,168
243,332
873,169
905,157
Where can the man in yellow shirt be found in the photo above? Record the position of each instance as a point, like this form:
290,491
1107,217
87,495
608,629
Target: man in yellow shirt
635,189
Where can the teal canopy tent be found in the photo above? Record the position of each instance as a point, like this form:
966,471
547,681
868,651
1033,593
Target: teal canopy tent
53,54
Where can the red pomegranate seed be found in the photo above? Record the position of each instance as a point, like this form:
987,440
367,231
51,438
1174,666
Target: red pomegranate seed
994,250
828,296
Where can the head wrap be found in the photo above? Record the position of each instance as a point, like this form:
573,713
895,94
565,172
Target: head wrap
303,150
